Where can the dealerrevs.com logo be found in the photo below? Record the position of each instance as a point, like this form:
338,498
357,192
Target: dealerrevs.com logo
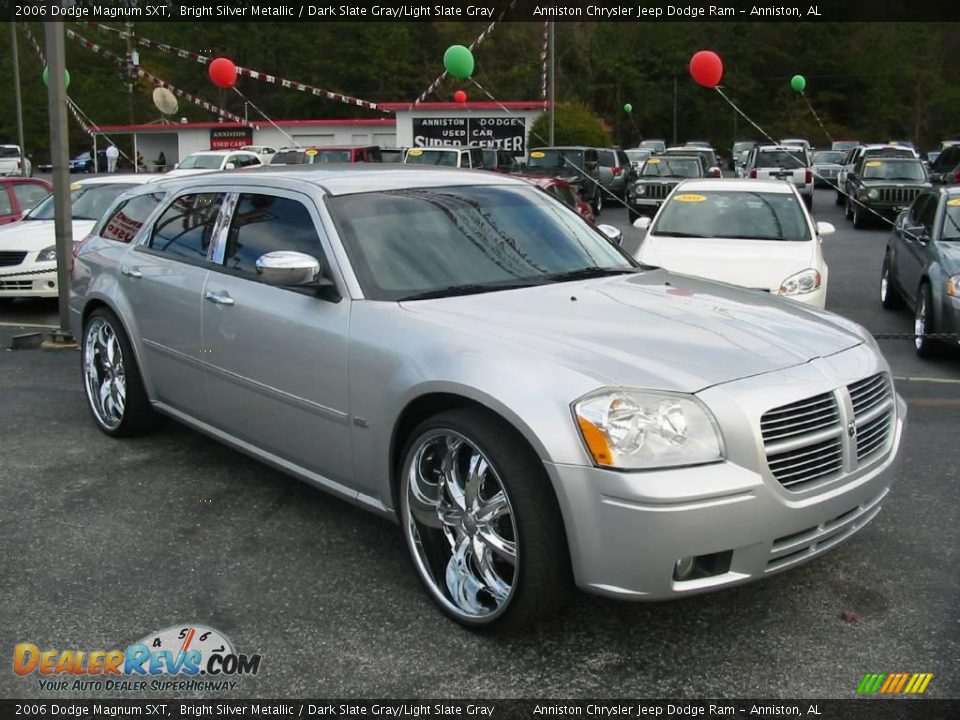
179,658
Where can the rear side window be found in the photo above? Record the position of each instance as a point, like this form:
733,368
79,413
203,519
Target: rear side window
265,223
29,194
6,207
607,158
125,222
185,229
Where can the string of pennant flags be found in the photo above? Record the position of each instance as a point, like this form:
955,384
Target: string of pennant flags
246,72
544,51
479,39
140,72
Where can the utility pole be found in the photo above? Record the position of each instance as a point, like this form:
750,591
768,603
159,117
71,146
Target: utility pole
59,158
553,80
675,141
131,61
16,96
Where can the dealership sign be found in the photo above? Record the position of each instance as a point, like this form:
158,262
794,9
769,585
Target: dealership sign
504,133
230,138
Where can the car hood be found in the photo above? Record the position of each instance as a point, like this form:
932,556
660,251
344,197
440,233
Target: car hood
33,235
654,329
756,264
180,172
879,182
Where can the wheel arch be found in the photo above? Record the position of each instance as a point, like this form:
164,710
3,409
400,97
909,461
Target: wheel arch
98,301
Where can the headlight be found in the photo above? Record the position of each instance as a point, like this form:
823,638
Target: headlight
637,429
639,190
48,254
803,282
873,193
953,286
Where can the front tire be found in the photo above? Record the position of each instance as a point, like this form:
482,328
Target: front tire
890,297
111,378
859,219
481,522
923,324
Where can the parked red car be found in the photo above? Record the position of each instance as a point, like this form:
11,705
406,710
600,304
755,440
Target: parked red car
563,191
17,195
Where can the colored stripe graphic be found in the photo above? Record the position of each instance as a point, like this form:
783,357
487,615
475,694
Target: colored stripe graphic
894,683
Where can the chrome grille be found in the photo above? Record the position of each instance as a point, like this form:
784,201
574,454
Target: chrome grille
9,258
657,192
803,441
872,400
16,284
898,196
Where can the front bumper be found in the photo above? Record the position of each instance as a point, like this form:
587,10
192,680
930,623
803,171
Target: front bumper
627,530
29,280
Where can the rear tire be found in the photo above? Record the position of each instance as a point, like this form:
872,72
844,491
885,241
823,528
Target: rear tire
890,297
859,219
481,521
597,204
838,200
923,326
111,379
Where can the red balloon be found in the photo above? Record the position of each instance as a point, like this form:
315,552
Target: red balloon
706,67
460,96
223,72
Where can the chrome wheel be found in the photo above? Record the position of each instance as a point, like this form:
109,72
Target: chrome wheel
885,284
460,525
104,373
920,322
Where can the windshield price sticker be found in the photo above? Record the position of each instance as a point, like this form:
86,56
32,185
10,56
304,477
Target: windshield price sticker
874,163
75,186
537,154
415,152
954,203
311,152
690,198
653,161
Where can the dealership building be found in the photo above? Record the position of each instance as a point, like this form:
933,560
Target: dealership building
488,124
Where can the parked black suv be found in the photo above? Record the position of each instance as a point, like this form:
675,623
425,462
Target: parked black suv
887,186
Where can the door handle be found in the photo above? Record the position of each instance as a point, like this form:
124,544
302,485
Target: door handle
131,272
219,298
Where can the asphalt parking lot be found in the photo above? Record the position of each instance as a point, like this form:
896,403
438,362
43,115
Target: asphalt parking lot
104,541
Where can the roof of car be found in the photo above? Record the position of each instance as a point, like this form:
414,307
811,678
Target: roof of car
733,184
219,152
693,148
763,148
345,178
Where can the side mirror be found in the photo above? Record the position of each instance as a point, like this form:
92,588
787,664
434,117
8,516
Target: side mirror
286,268
642,223
230,166
176,165
591,165
611,233
916,232
825,228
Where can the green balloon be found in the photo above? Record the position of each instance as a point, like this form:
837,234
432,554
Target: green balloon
798,83
628,108
458,62
46,77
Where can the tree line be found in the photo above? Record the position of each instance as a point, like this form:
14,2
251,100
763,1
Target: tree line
869,81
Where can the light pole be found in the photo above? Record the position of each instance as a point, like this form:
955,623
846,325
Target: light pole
16,96
553,80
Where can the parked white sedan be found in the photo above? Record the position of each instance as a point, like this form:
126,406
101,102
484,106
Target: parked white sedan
28,249
753,233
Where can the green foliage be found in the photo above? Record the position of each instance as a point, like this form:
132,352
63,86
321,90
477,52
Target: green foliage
870,81
575,124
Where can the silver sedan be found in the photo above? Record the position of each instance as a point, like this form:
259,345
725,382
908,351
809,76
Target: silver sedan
462,353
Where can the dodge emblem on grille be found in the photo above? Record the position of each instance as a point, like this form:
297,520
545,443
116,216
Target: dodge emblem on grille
851,428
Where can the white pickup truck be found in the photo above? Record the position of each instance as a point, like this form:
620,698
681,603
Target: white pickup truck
10,161
790,163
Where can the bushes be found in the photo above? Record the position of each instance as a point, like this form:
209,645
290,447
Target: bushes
575,124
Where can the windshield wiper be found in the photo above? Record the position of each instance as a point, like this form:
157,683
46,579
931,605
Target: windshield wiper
465,289
588,272
668,233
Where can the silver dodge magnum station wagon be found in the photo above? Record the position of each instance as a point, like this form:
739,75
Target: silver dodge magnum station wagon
461,352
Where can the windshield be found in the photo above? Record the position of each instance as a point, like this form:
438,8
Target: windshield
7,151
880,170
556,159
446,158
889,152
745,145
781,159
331,156
666,166
639,155
844,145
951,220
653,144
202,162
87,202
740,214
289,157
828,157
405,243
